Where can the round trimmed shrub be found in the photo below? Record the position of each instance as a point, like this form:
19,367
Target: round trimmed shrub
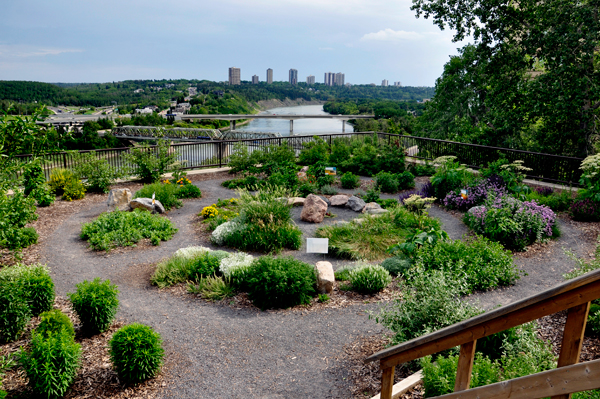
14,311
53,322
136,353
96,304
51,364
36,285
280,282
369,279
189,191
386,182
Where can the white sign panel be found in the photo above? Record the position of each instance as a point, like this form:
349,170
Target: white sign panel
317,245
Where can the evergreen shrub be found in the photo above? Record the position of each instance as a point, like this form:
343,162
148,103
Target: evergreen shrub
369,279
54,321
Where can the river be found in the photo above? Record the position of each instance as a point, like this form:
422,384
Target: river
301,126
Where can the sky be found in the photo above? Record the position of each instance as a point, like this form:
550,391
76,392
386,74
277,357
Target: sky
109,40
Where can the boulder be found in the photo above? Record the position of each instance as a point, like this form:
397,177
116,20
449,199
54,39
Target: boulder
314,209
296,201
355,203
376,211
338,200
146,203
118,198
304,169
371,206
325,277
325,199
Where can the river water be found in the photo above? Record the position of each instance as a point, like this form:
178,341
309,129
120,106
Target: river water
301,126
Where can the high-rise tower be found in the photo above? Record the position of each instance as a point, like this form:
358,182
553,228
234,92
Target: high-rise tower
269,76
293,76
235,76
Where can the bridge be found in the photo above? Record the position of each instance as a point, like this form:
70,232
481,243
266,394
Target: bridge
232,118
185,134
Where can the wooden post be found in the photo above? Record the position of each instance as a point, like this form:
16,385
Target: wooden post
570,350
387,382
465,366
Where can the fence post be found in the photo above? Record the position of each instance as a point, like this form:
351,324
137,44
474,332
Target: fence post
387,382
65,160
465,366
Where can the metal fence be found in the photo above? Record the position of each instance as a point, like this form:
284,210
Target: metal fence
545,167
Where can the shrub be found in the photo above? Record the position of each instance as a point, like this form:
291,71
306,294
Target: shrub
406,180
387,203
152,162
15,212
59,178
54,321
513,223
386,182
361,162
372,195
343,273
96,304
165,193
558,202
35,284
43,196
51,364
449,176
349,180
307,188
419,169
14,311
97,172
136,353
486,265
314,151
585,210
188,191
328,190
340,152
235,261
121,229
73,190
512,174
391,158
203,265
33,176
172,271
280,282
439,377
369,279
212,288
431,302
396,265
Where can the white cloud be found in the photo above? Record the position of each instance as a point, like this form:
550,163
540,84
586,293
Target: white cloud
390,35
22,51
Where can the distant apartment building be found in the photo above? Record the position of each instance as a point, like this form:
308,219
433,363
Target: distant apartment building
235,76
384,83
399,84
269,76
334,79
255,79
310,80
293,76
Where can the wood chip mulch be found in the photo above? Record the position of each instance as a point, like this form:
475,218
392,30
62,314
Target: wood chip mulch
96,378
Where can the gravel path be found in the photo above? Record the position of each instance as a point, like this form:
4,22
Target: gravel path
223,352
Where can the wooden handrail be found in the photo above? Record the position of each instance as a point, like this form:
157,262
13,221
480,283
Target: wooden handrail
574,295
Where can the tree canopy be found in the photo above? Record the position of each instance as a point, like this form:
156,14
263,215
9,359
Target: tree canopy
531,79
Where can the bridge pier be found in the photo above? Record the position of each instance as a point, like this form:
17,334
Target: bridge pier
343,126
291,127
232,124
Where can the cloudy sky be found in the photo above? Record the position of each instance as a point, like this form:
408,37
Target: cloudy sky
109,40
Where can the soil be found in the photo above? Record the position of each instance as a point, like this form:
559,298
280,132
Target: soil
233,350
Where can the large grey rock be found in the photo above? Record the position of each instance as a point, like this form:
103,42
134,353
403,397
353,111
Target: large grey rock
314,209
356,204
296,201
146,203
325,277
118,198
339,200
371,206
325,199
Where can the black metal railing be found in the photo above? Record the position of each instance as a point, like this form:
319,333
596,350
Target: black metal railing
545,167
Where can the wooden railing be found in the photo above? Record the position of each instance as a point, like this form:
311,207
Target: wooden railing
574,295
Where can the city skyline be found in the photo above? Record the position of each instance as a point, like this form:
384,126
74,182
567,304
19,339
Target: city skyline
117,41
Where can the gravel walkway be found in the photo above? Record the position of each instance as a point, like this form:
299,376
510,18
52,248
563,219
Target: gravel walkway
223,352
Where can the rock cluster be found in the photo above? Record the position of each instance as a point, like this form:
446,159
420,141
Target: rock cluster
120,199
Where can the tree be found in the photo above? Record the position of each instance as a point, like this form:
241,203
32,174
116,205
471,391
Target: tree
531,79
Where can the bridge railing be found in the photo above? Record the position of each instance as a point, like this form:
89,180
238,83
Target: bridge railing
574,296
216,153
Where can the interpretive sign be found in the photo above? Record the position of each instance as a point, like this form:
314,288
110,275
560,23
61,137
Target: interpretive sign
317,245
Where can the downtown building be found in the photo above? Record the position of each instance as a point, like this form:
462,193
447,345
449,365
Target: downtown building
293,76
269,76
235,76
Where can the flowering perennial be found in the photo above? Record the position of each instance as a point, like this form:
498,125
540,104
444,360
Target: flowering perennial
235,261
476,194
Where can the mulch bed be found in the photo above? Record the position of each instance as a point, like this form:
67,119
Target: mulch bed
96,378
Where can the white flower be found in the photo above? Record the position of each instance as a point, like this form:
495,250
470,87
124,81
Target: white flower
225,230
191,252
235,261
